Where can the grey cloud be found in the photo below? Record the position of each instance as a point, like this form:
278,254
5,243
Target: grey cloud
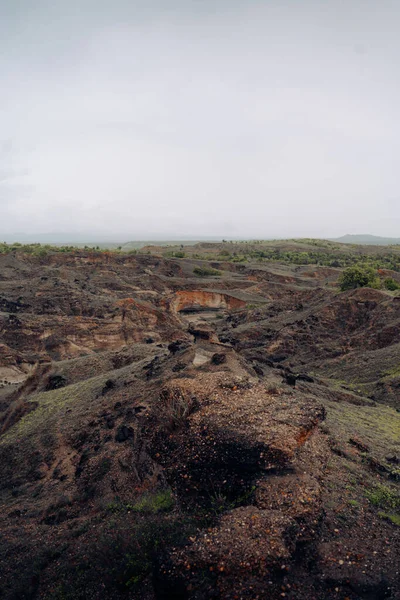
258,118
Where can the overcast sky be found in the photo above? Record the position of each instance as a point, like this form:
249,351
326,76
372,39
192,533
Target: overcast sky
245,118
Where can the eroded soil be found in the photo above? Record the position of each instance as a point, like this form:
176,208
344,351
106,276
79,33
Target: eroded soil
170,436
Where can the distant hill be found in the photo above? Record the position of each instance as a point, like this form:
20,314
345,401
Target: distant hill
368,239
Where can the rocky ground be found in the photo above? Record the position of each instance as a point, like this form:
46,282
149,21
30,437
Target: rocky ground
165,435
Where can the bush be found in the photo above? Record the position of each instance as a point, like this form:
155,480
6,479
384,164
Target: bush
391,284
357,276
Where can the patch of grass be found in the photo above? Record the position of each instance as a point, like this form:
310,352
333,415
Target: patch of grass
161,501
393,372
152,503
354,503
206,272
384,497
49,404
395,519
377,426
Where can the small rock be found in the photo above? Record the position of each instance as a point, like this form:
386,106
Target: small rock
218,358
290,379
124,433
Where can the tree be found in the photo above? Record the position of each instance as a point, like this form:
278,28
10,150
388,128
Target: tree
357,276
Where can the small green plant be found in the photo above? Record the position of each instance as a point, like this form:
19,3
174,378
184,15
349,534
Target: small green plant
354,503
383,497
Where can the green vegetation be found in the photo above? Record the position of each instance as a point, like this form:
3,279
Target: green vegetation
206,272
315,252
311,252
154,503
354,503
157,502
358,276
395,519
383,496
43,250
175,254
393,372
377,426
391,285
36,249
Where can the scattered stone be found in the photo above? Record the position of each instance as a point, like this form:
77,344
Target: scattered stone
393,459
218,358
124,433
290,379
258,370
55,382
177,346
109,385
359,444
178,367
305,377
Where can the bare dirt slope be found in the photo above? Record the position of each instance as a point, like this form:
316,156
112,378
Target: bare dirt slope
165,435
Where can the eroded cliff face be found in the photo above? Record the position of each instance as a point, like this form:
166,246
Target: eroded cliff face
170,442
196,300
70,306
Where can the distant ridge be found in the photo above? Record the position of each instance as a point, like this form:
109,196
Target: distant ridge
368,239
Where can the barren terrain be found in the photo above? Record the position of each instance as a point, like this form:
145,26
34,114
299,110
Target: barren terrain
199,422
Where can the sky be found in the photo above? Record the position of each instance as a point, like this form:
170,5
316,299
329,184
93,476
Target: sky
138,119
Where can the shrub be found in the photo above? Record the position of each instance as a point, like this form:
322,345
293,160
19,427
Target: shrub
174,408
357,276
391,284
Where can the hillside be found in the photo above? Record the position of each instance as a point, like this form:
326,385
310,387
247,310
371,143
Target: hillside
209,421
367,239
